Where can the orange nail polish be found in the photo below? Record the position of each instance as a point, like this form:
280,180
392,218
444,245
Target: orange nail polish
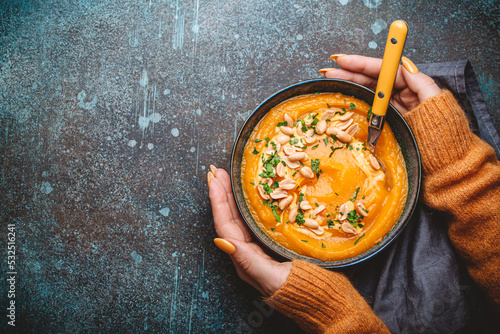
225,245
210,176
324,70
409,65
335,56
213,169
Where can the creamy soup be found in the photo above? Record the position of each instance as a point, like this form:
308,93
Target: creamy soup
312,184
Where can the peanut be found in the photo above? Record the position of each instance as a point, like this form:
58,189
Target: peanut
307,172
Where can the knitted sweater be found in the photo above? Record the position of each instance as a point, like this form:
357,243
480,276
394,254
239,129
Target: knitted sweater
461,177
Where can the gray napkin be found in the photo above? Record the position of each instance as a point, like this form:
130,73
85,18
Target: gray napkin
419,284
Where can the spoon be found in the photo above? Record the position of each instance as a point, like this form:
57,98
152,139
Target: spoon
390,63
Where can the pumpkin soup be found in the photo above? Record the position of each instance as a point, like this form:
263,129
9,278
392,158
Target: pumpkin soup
312,184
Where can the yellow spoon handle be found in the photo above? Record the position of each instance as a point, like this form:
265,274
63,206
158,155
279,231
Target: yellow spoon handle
390,64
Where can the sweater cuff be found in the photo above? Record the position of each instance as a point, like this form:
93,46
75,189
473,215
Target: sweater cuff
320,300
441,129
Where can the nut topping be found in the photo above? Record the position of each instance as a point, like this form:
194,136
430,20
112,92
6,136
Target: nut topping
287,184
289,150
299,129
318,210
297,156
291,164
285,202
348,228
333,130
288,120
311,223
344,125
278,193
304,205
360,208
310,136
307,172
321,127
344,210
293,214
280,170
262,193
374,162
283,139
344,137
318,231
346,116
287,130
352,129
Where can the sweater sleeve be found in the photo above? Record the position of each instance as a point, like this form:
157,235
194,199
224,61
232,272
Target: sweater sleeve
461,177
322,301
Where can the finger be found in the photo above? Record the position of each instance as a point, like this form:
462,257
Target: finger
423,85
224,178
369,67
263,273
225,226
352,76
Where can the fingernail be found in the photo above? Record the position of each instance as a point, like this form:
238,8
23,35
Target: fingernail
409,65
213,169
210,176
335,56
324,70
225,245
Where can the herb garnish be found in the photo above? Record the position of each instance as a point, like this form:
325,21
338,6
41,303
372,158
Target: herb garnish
355,242
257,140
355,194
284,123
255,150
352,106
315,167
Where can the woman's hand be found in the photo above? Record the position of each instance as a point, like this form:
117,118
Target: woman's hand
410,88
252,265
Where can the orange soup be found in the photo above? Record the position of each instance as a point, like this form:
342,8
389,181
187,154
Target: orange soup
311,182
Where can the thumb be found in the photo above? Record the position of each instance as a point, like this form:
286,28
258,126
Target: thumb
258,269
421,84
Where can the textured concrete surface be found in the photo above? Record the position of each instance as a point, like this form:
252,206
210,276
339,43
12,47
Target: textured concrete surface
112,111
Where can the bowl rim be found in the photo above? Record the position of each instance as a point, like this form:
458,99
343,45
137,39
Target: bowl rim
287,254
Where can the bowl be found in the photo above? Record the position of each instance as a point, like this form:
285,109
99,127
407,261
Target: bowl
400,128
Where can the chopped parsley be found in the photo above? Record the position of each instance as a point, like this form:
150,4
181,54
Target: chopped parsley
323,245
369,114
326,141
355,242
252,183
355,194
315,167
303,240
352,106
267,141
255,151
272,228
334,149
284,123
312,148
257,140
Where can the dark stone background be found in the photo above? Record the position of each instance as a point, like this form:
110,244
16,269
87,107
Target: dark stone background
112,111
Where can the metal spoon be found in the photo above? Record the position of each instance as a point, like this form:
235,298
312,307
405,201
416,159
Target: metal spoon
392,55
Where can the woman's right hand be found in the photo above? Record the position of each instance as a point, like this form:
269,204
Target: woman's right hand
410,88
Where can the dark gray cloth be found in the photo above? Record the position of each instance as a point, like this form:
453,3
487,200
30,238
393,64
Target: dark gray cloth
421,284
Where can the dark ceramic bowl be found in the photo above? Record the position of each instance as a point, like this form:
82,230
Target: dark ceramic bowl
401,131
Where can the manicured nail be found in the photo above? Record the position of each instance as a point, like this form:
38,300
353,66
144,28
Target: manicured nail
335,56
210,176
225,245
409,65
213,169
324,70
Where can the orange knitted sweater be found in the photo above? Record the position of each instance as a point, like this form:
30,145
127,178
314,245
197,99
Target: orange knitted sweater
461,177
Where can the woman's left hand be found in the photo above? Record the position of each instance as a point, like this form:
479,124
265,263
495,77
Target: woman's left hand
252,265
